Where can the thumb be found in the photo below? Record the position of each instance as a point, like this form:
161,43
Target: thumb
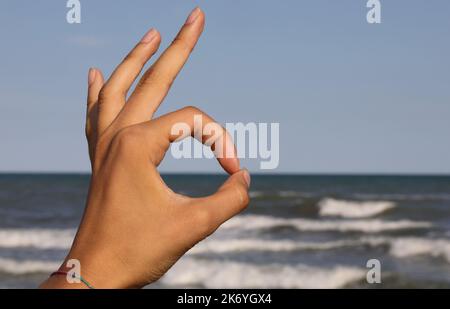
229,200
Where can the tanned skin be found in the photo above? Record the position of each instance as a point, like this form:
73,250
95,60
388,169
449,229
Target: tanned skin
135,227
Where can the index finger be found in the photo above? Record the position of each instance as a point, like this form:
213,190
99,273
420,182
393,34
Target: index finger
190,121
156,82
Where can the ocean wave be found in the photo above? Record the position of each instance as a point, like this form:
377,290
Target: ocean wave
408,247
255,222
227,274
37,238
289,194
404,197
353,209
15,267
62,238
221,274
274,194
403,247
398,247
256,194
238,245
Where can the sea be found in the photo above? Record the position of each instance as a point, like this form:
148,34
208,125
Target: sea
299,231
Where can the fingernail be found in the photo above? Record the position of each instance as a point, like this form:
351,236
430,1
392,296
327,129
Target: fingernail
247,177
193,16
149,36
91,76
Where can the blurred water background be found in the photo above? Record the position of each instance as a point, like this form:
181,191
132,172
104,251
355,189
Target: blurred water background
298,232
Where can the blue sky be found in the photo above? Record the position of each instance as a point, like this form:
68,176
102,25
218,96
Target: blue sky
350,97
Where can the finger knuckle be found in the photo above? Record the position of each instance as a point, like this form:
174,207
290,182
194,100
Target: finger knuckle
128,141
109,92
192,110
243,196
104,93
156,79
133,59
204,221
163,82
182,44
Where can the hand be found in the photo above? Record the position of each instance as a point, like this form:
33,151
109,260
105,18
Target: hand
134,227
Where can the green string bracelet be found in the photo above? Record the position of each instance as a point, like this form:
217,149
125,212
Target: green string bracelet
65,273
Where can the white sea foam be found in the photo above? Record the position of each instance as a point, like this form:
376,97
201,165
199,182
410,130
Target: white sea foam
238,245
252,222
62,238
405,197
289,193
26,267
282,194
353,209
255,194
407,247
402,247
37,238
213,273
227,274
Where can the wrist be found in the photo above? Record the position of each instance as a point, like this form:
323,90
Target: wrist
78,272
99,267
60,280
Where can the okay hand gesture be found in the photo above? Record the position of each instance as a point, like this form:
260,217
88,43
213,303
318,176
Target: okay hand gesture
134,227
